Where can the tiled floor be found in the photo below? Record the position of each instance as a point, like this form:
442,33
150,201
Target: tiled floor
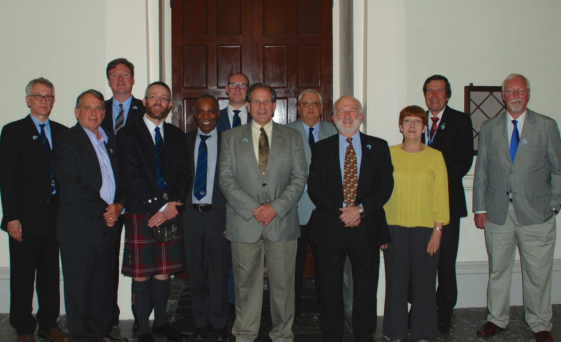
464,323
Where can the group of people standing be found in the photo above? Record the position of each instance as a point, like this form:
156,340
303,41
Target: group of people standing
243,190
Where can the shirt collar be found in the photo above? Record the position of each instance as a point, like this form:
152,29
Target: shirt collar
93,137
151,125
315,127
125,103
37,122
212,133
257,126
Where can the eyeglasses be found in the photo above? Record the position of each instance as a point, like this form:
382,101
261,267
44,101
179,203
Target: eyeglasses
241,85
39,98
155,98
520,92
310,104
416,122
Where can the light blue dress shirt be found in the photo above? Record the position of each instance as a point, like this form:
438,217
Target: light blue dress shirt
107,191
47,128
115,107
315,132
212,156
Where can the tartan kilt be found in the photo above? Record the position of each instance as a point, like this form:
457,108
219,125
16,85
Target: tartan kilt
144,256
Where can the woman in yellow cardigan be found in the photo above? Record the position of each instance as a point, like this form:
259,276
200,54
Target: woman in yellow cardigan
416,212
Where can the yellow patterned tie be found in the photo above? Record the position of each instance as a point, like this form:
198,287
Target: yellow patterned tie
350,181
263,151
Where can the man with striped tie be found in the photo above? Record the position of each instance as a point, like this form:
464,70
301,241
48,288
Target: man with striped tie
156,173
206,248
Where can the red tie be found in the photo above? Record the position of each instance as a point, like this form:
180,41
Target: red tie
434,127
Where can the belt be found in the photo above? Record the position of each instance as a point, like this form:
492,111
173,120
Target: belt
202,207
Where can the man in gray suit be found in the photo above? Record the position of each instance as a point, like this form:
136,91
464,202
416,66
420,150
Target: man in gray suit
516,197
263,171
310,107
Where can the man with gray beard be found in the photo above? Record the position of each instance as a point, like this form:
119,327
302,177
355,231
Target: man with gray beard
349,219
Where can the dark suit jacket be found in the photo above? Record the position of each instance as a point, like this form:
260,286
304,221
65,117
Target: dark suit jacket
325,188
223,123
215,218
80,219
136,112
25,176
454,138
137,161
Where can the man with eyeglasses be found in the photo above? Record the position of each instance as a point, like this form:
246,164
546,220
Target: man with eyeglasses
153,162
450,132
236,113
516,198
121,110
310,109
30,200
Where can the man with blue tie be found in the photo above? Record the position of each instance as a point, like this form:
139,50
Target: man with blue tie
310,107
206,248
236,113
516,197
30,200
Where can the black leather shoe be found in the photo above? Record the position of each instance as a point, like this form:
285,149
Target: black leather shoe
111,338
221,334
201,333
444,324
169,332
135,326
148,337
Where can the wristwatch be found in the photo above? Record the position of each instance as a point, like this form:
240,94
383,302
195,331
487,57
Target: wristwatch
361,211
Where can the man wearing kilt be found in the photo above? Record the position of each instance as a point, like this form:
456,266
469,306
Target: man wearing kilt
156,173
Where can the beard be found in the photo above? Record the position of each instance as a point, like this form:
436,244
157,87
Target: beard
156,114
515,105
353,129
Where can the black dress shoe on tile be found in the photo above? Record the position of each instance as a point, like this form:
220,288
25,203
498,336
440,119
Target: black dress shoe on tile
135,326
169,332
444,324
543,336
148,337
111,338
201,333
221,334
489,329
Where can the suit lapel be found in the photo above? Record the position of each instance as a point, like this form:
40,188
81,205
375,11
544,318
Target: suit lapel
192,140
110,146
323,130
88,149
247,148
502,135
528,135
36,140
365,165
276,145
446,118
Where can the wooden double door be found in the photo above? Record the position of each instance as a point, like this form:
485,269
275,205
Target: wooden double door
284,43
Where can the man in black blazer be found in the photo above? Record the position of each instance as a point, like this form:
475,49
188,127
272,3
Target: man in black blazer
29,204
206,248
450,132
121,110
235,114
153,161
355,227
91,200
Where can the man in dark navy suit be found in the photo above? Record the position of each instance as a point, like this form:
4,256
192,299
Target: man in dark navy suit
236,113
29,205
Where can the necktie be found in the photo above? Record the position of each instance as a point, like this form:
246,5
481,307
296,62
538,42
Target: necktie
236,121
350,181
433,128
311,139
514,140
120,121
159,159
48,147
199,190
263,151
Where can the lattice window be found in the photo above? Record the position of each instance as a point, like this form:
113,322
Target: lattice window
481,103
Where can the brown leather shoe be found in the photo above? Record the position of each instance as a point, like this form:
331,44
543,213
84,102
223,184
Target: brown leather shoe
112,338
543,336
55,335
489,329
26,338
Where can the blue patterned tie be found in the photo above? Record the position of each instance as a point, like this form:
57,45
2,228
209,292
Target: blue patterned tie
236,121
48,147
120,121
311,139
159,159
199,190
514,141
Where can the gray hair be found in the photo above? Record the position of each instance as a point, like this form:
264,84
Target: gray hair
361,111
310,91
93,92
40,80
511,76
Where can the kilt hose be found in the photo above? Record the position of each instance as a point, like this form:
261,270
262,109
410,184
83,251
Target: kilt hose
144,256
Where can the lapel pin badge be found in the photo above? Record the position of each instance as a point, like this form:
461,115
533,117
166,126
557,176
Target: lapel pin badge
111,150
34,137
245,140
135,107
280,136
443,126
524,141
369,147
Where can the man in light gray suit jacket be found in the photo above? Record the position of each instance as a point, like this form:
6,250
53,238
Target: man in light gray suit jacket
516,197
310,107
263,171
